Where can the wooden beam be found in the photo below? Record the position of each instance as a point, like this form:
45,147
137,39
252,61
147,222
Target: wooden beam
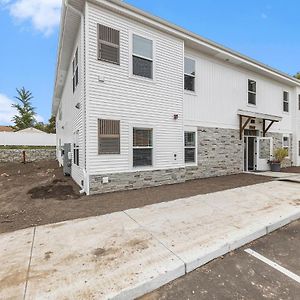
266,129
242,127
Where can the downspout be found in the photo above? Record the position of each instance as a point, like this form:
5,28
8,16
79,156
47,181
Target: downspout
85,187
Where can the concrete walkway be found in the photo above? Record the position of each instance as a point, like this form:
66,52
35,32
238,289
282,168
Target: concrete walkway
126,254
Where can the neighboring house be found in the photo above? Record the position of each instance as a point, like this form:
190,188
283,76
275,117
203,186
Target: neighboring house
6,129
31,130
144,102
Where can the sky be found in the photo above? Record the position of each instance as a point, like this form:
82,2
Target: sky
266,30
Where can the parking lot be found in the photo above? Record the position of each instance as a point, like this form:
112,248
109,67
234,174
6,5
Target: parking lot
240,275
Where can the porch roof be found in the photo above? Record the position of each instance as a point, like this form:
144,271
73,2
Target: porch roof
246,113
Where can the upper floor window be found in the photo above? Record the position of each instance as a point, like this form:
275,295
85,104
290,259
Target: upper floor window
299,101
108,44
109,136
189,74
142,57
75,78
285,101
251,92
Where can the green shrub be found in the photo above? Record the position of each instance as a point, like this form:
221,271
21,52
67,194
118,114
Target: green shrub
280,154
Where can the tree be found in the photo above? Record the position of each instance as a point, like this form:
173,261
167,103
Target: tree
25,116
51,126
297,75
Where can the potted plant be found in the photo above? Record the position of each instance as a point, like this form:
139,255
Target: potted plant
279,155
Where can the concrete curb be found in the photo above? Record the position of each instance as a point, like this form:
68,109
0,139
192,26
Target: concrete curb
206,258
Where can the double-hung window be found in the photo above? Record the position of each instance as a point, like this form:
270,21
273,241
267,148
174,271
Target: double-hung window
299,101
189,147
142,147
142,56
75,77
108,136
286,143
189,74
251,92
108,44
285,101
76,148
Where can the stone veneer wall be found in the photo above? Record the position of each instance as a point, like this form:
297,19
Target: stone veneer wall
16,155
220,152
277,143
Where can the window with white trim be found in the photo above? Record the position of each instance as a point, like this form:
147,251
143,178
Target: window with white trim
142,56
251,92
189,147
76,148
75,78
286,143
189,74
108,44
142,147
285,101
299,101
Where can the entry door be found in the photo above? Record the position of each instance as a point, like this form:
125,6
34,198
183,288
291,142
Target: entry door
264,153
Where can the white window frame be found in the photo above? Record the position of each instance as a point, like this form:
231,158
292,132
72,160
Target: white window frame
286,101
143,147
191,129
76,148
195,76
251,92
131,54
288,147
75,70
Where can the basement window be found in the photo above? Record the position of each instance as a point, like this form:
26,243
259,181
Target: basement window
142,147
189,74
75,78
109,136
108,44
142,57
251,92
189,147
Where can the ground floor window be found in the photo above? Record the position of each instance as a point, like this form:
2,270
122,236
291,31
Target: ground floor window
142,147
190,146
76,148
286,143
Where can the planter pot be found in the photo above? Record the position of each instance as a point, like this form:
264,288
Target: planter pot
275,167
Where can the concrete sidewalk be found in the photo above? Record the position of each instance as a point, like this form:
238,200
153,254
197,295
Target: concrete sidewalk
126,254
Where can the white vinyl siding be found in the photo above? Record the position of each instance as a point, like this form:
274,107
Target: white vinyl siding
136,103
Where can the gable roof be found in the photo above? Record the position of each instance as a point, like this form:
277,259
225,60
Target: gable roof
75,7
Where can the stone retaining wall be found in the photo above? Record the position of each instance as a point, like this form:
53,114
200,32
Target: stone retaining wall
16,155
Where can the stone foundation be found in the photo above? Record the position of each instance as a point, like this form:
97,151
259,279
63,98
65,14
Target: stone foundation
135,180
220,152
16,155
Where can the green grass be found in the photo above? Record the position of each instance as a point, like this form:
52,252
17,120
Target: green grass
26,147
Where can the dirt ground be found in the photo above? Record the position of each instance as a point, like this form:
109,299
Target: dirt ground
37,193
291,170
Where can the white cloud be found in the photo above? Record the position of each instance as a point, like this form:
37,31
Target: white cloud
264,16
6,110
44,15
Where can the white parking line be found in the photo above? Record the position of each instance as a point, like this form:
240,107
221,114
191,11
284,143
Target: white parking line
274,265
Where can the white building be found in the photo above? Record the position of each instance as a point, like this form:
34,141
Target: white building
144,102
